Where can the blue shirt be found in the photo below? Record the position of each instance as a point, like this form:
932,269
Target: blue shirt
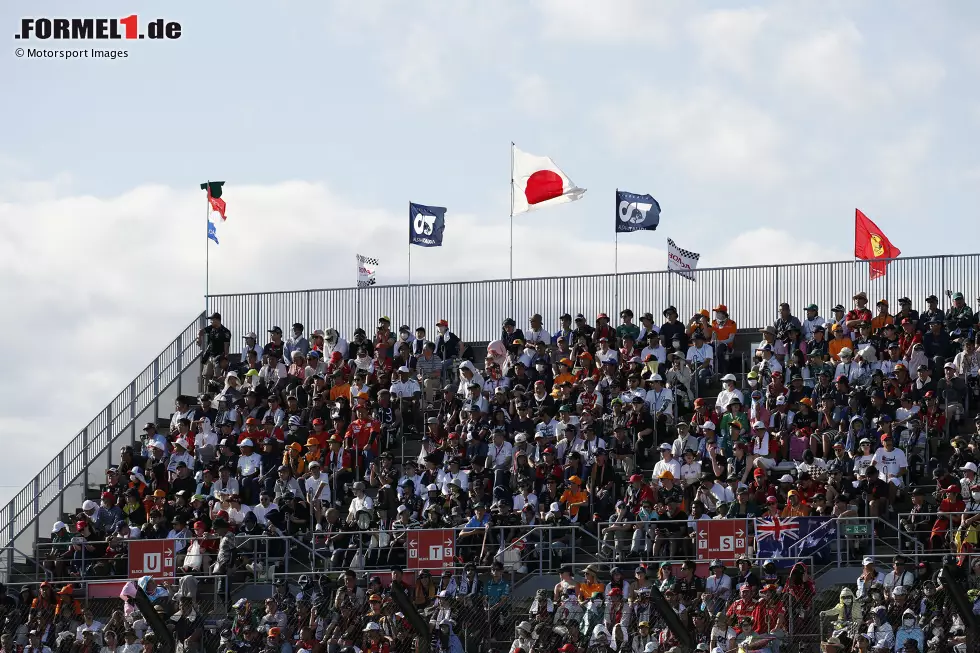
495,590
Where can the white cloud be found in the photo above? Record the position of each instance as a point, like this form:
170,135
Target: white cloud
533,95
645,22
727,38
902,162
827,66
714,136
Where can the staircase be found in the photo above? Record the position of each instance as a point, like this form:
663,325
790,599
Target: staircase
61,486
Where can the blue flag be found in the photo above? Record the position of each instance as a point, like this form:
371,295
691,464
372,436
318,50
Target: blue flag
795,537
636,212
212,233
426,224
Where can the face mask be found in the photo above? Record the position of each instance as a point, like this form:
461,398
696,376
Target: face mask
540,368
676,344
908,623
753,383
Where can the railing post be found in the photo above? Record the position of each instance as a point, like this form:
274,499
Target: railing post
132,418
179,357
156,389
61,483
85,441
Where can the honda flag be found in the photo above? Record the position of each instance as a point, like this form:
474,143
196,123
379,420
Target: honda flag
367,268
536,181
681,261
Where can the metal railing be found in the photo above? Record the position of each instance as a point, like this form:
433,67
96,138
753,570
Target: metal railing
474,309
115,420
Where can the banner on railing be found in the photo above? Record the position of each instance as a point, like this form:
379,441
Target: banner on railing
431,549
791,537
151,558
722,539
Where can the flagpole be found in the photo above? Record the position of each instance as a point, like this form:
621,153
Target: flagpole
512,228
410,267
207,252
357,282
616,259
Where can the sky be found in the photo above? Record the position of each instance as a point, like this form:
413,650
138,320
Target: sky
758,127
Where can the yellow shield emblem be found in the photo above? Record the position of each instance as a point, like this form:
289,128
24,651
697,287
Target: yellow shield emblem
876,245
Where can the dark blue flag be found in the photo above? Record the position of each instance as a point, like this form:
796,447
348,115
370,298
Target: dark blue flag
795,537
636,212
426,224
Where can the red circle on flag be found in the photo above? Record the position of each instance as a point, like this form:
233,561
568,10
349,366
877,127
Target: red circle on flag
543,185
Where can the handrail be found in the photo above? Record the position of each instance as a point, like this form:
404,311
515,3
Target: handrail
118,417
606,275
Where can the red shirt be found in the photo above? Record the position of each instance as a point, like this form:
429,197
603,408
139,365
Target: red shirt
738,609
766,615
859,314
363,432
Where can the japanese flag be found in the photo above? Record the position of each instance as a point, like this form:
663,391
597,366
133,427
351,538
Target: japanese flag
538,182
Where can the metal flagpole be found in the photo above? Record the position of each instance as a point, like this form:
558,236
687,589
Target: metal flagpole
207,252
512,228
616,260
409,274
357,280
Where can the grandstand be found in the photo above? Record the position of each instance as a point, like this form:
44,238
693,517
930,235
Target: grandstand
539,475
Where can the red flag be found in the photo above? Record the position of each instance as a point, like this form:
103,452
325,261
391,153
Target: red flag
870,244
218,204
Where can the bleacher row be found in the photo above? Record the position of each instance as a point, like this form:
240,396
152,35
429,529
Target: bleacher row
307,456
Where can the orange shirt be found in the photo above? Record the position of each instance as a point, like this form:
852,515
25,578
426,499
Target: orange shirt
340,392
585,591
799,511
835,345
724,332
881,321
570,497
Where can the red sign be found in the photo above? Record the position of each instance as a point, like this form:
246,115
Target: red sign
431,549
722,539
151,558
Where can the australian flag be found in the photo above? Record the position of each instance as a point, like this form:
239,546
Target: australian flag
795,537
426,224
636,212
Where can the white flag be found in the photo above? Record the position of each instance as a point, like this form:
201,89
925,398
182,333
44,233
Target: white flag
681,261
367,268
538,182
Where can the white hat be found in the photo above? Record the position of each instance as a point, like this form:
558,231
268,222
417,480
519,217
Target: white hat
402,508
708,426
520,438
404,369
524,625
781,400
728,377
969,467
58,525
89,505
181,442
650,648
656,377
846,351
247,442
251,334
786,478
867,560
759,424
372,626
555,507
230,375
155,444
432,487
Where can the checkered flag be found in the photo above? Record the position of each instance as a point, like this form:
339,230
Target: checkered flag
681,261
367,269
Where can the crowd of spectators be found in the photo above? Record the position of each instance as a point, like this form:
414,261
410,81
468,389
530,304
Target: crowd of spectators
595,426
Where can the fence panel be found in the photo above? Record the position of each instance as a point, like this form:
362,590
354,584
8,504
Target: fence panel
475,309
